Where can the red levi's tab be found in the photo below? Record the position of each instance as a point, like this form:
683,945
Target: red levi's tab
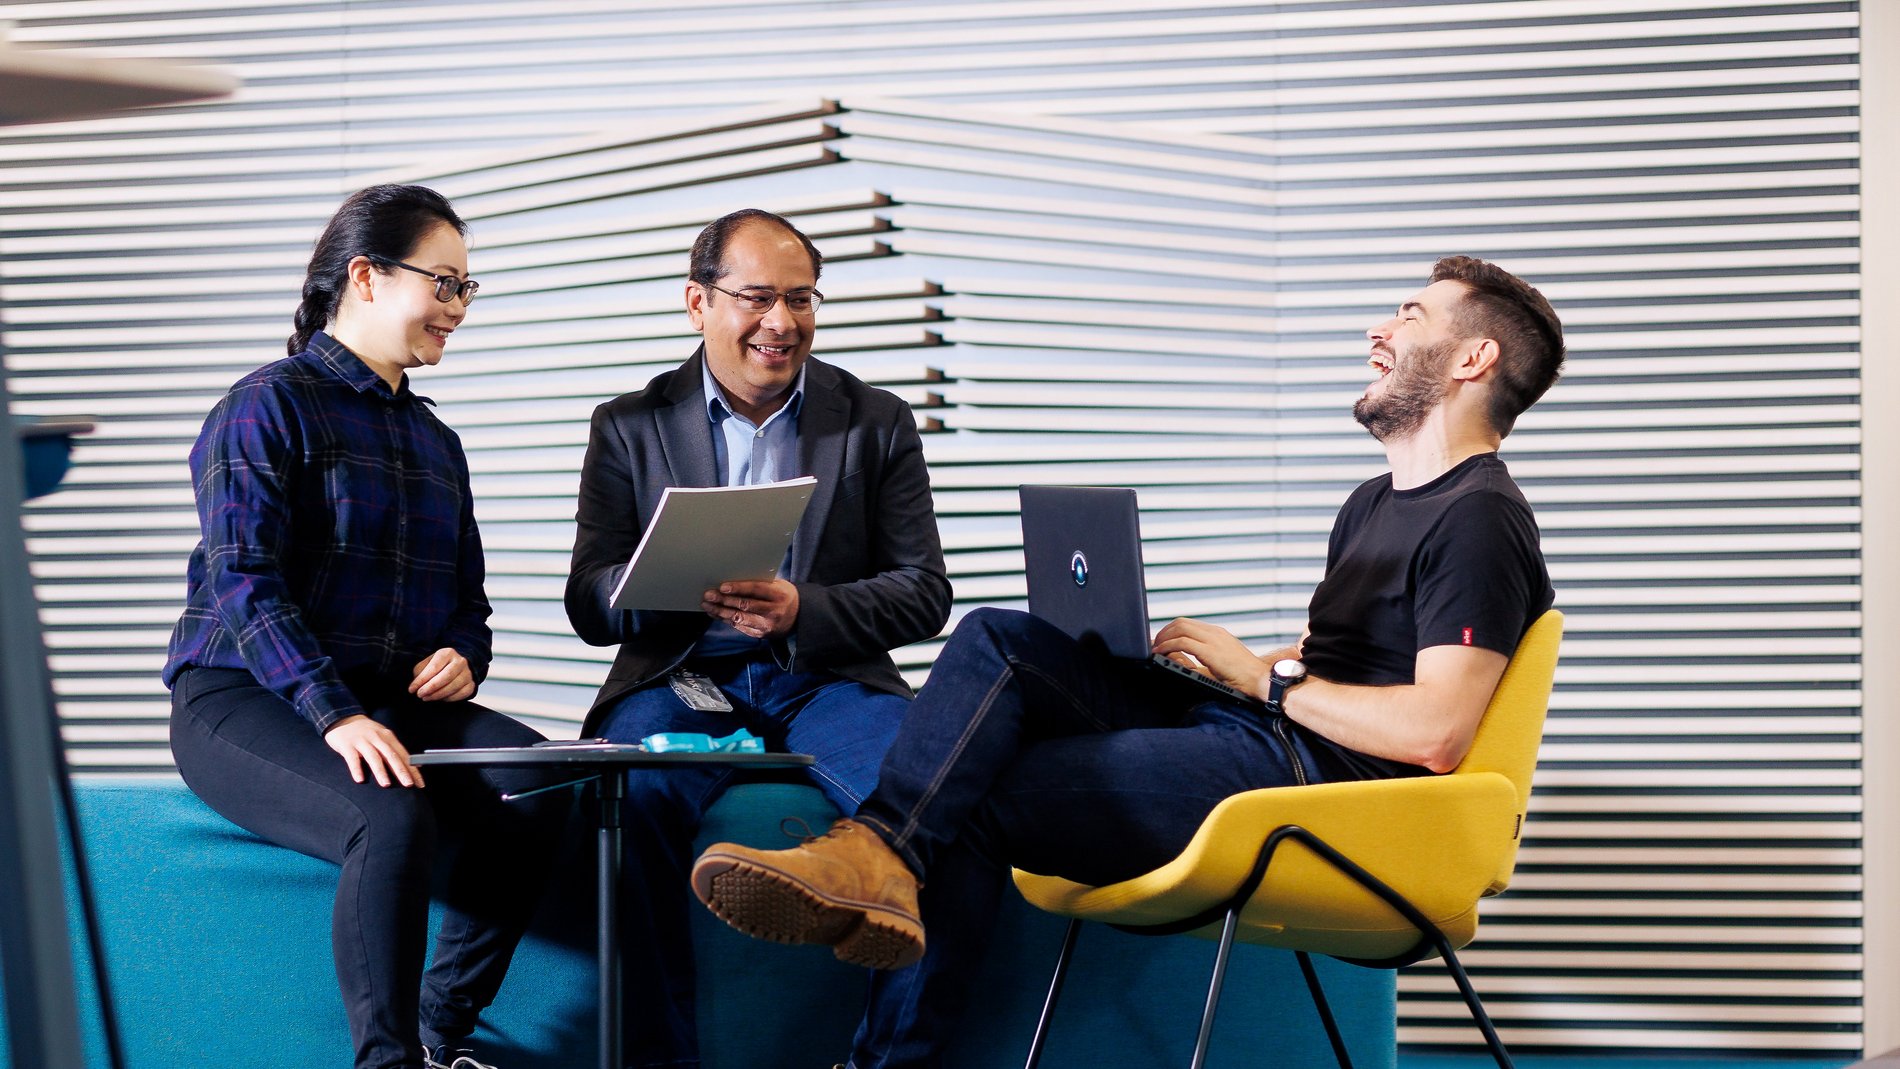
1467,636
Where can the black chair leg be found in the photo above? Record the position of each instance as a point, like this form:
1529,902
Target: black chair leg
1055,989
1325,1011
1410,912
1227,930
1473,1003
1229,913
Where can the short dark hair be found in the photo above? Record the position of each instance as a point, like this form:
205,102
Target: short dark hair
1508,310
383,223
708,264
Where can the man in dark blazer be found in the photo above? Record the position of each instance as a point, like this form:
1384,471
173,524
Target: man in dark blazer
802,660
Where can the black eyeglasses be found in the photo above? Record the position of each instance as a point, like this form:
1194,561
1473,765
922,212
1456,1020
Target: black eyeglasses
797,302
447,287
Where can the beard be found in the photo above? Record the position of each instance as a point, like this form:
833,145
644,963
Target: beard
1413,388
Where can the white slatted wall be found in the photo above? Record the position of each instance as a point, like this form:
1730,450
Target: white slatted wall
1052,315
1110,241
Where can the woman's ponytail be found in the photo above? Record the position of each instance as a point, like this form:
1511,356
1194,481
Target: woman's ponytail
313,314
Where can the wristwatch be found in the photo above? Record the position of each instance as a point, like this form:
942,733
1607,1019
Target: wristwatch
1287,674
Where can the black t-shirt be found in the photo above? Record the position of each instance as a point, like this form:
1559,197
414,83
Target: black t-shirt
1454,562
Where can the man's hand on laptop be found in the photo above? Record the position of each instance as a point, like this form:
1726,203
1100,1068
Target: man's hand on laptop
1214,650
760,608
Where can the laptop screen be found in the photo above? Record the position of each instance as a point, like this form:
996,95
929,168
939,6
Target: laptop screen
1082,560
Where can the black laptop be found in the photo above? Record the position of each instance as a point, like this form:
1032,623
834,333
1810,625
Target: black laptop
1082,557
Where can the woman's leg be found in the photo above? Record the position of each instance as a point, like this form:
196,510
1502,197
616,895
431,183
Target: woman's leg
503,852
249,755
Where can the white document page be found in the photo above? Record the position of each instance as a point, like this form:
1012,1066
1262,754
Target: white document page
703,536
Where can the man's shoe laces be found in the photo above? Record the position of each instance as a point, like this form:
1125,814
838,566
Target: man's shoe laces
458,1059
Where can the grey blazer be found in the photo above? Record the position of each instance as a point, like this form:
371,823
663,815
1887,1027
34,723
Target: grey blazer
867,560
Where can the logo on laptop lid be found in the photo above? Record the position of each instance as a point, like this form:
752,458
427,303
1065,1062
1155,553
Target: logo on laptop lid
1079,569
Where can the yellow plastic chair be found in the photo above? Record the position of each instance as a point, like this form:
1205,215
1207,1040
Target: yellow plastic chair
1379,873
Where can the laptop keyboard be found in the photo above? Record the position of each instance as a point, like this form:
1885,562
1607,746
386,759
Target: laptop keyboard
1234,693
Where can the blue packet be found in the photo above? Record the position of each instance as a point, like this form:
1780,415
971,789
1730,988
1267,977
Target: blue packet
740,741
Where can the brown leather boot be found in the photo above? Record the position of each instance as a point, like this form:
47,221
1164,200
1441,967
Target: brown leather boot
845,889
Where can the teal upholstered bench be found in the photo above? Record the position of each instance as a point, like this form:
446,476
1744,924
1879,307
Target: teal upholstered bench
218,945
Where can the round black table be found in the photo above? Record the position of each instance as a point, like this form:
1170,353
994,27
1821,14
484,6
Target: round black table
601,764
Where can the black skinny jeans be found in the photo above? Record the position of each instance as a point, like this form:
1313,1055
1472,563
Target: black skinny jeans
248,754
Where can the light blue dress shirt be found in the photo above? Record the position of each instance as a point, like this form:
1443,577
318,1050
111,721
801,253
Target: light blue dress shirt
746,454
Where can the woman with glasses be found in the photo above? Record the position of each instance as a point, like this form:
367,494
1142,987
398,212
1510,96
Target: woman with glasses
335,622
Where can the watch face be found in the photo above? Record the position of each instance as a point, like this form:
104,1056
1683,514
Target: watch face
1290,670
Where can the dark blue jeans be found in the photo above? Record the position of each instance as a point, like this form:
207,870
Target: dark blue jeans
248,754
845,726
1027,749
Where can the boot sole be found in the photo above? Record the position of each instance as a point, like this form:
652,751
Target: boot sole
770,905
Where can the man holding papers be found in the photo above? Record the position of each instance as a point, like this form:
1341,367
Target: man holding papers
802,659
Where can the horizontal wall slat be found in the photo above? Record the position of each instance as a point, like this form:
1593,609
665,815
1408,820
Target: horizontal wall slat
1110,242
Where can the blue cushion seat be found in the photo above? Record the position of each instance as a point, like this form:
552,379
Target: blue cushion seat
218,945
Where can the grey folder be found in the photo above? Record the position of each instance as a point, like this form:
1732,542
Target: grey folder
703,536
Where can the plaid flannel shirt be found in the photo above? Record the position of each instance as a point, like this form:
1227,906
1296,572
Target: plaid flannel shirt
339,544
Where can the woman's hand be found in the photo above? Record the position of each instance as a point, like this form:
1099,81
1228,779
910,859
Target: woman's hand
1214,650
366,744
444,677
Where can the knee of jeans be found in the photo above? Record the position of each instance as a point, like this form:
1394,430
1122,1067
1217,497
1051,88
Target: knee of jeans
989,619
1001,628
398,820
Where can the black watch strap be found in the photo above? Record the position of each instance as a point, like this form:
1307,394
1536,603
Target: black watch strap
1286,674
